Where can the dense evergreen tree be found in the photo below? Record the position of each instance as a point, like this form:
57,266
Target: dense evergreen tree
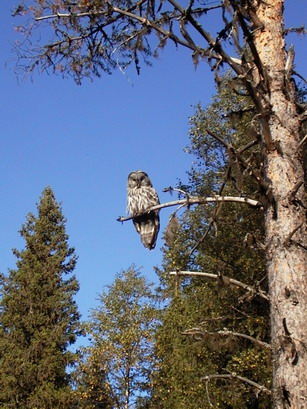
201,326
116,371
39,317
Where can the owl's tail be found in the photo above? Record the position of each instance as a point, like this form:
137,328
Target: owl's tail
148,228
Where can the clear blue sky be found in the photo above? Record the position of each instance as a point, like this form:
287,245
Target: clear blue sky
84,140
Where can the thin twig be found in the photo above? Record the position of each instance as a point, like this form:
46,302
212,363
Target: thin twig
291,234
176,189
294,191
300,76
218,55
238,155
301,143
207,391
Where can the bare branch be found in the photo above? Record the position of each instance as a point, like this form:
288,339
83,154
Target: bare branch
207,391
301,143
211,223
296,188
158,29
231,281
235,64
195,200
218,208
67,15
239,156
297,30
300,76
175,189
261,388
291,234
203,333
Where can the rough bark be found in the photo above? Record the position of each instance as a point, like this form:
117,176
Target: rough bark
286,216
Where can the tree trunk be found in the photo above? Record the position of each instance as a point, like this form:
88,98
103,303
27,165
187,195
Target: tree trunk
286,215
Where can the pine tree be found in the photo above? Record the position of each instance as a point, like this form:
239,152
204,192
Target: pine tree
39,317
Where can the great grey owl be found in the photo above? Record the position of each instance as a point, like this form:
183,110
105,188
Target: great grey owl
142,196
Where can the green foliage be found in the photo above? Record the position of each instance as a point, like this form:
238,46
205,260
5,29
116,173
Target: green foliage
190,343
119,361
92,387
39,317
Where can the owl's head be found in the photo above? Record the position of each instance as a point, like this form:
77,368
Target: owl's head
138,178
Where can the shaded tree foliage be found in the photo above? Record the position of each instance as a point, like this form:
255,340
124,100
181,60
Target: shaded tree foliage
39,318
203,327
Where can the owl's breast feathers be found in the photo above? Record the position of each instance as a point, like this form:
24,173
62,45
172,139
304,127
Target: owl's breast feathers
140,199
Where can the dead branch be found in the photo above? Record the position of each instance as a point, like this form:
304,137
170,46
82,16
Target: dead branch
207,391
297,30
142,20
176,189
67,15
301,143
195,200
231,281
294,191
300,76
231,376
212,222
203,333
218,208
237,153
291,234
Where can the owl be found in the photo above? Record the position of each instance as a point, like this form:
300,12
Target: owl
142,196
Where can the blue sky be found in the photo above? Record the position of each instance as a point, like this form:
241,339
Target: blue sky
84,140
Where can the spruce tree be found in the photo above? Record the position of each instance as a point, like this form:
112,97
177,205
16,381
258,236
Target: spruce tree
199,334
39,317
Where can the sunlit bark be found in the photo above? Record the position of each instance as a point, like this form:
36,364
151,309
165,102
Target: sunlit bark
285,218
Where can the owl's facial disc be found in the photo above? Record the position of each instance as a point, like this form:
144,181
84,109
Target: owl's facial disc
140,177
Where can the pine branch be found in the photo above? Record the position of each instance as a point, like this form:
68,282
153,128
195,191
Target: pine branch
203,333
231,281
195,200
127,13
231,376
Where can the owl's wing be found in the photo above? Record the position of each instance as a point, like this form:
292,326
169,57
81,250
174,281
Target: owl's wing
153,198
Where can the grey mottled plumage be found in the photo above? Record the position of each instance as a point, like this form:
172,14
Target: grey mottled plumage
142,196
